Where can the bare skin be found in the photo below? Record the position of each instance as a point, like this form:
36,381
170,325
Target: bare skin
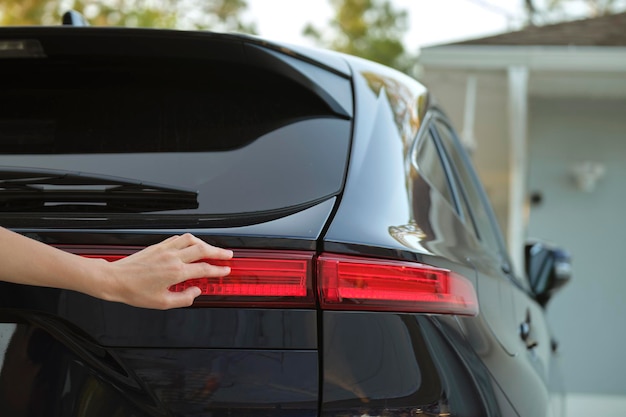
141,279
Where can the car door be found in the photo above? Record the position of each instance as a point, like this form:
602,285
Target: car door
522,363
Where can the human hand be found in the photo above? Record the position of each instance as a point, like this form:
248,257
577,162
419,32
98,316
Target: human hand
143,279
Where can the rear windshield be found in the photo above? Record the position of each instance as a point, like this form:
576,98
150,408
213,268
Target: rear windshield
245,139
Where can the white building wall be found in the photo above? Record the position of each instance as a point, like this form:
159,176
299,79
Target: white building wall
588,315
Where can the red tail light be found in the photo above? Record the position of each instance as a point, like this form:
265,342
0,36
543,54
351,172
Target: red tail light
285,279
274,278
263,278
352,283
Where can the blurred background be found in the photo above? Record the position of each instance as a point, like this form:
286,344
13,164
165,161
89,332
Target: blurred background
537,91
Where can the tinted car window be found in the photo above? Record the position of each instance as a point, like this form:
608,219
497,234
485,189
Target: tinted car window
478,209
247,139
430,166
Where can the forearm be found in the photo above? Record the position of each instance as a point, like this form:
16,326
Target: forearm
142,279
27,261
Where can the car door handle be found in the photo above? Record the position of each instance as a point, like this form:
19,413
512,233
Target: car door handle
525,332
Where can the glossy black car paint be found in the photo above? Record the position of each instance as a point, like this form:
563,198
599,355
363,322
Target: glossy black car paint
66,354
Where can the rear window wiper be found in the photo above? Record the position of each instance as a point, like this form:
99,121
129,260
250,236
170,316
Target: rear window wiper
34,190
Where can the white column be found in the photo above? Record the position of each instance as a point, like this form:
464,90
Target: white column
518,117
469,114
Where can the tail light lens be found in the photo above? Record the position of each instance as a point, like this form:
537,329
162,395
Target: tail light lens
352,283
279,279
285,279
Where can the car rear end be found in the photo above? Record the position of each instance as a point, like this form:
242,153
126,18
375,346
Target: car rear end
254,147
250,142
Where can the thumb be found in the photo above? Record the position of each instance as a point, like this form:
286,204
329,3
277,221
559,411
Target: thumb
184,298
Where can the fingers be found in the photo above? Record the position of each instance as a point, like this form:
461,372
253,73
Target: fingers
193,249
170,242
183,241
203,269
203,250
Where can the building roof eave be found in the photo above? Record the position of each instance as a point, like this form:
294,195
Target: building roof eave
540,58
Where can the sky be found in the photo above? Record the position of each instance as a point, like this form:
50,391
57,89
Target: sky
431,21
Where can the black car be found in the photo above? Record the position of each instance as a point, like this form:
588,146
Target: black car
369,278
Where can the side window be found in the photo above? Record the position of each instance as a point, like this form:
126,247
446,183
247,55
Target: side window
479,210
431,167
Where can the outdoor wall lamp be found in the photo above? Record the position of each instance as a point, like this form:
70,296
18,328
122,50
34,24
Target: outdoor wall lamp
586,174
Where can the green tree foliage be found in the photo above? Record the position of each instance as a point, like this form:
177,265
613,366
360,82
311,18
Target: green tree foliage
551,11
371,29
217,15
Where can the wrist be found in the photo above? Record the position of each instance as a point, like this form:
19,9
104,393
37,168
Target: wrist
103,282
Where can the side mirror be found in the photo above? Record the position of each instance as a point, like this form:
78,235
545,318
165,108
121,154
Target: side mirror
548,269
